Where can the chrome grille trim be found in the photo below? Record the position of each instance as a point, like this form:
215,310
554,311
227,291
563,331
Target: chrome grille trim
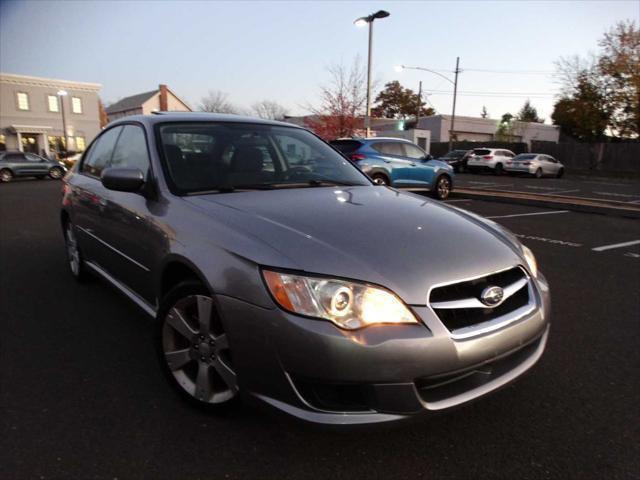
470,303
473,302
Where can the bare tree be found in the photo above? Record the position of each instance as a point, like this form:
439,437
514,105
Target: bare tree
217,102
342,102
269,110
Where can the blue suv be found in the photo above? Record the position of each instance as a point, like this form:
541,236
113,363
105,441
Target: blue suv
398,163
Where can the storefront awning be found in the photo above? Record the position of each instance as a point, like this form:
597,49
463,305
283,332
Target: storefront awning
30,128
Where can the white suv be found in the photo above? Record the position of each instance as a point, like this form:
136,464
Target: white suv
489,159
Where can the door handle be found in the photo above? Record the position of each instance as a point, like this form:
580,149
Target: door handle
386,161
413,164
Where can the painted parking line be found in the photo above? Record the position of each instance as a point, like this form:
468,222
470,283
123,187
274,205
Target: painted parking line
529,214
563,191
612,194
540,188
553,241
615,245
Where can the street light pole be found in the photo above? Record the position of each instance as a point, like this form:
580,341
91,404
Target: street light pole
367,118
360,22
61,95
453,113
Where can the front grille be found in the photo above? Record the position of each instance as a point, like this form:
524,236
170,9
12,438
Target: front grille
459,308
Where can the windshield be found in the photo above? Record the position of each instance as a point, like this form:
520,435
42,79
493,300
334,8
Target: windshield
209,157
525,156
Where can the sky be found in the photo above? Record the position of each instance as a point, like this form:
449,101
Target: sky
280,50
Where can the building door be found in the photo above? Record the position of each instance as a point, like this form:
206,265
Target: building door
30,143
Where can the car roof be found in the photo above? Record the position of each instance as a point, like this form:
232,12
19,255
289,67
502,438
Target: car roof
172,117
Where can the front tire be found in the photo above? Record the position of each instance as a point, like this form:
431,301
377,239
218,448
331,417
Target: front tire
6,175
560,173
56,173
498,170
538,173
193,348
442,188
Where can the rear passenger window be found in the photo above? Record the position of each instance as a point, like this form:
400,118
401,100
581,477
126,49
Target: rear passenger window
389,148
131,150
100,153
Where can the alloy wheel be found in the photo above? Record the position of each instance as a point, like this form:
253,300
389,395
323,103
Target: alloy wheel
73,254
196,350
55,173
443,187
380,180
5,175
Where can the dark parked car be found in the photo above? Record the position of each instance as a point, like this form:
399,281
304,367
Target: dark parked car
399,163
457,159
278,272
19,164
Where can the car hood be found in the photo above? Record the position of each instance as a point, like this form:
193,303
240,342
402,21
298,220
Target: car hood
402,241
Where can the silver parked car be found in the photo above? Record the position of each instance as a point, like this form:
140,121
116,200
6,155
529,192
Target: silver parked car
278,272
21,164
536,164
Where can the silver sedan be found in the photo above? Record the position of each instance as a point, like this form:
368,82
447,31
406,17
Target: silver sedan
536,164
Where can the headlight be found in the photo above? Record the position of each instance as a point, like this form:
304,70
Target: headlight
531,260
347,304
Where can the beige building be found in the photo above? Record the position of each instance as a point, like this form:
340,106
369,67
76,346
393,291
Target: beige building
33,111
160,100
484,129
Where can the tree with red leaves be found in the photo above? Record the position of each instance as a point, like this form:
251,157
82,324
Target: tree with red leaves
341,110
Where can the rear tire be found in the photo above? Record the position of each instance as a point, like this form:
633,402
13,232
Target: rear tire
560,173
442,188
193,348
538,173
6,175
498,169
380,179
74,255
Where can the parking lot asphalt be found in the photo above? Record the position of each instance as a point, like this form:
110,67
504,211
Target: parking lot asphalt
604,189
81,394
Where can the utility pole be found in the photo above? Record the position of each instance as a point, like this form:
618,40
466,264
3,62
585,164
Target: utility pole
453,113
419,104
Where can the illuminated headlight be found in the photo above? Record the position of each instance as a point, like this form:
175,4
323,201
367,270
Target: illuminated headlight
349,305
531,260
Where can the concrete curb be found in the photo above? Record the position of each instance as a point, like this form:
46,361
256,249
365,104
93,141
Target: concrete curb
612,208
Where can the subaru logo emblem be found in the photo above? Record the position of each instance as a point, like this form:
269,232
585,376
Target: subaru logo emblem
492,296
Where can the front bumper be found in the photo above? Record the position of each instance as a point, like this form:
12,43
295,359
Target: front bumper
314,371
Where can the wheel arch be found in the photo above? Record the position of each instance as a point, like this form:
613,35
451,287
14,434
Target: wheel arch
176,269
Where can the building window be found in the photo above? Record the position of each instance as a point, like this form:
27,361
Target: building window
80,145
23,101
76,105
52,102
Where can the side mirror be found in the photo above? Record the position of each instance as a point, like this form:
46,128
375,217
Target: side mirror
427,157
123,179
